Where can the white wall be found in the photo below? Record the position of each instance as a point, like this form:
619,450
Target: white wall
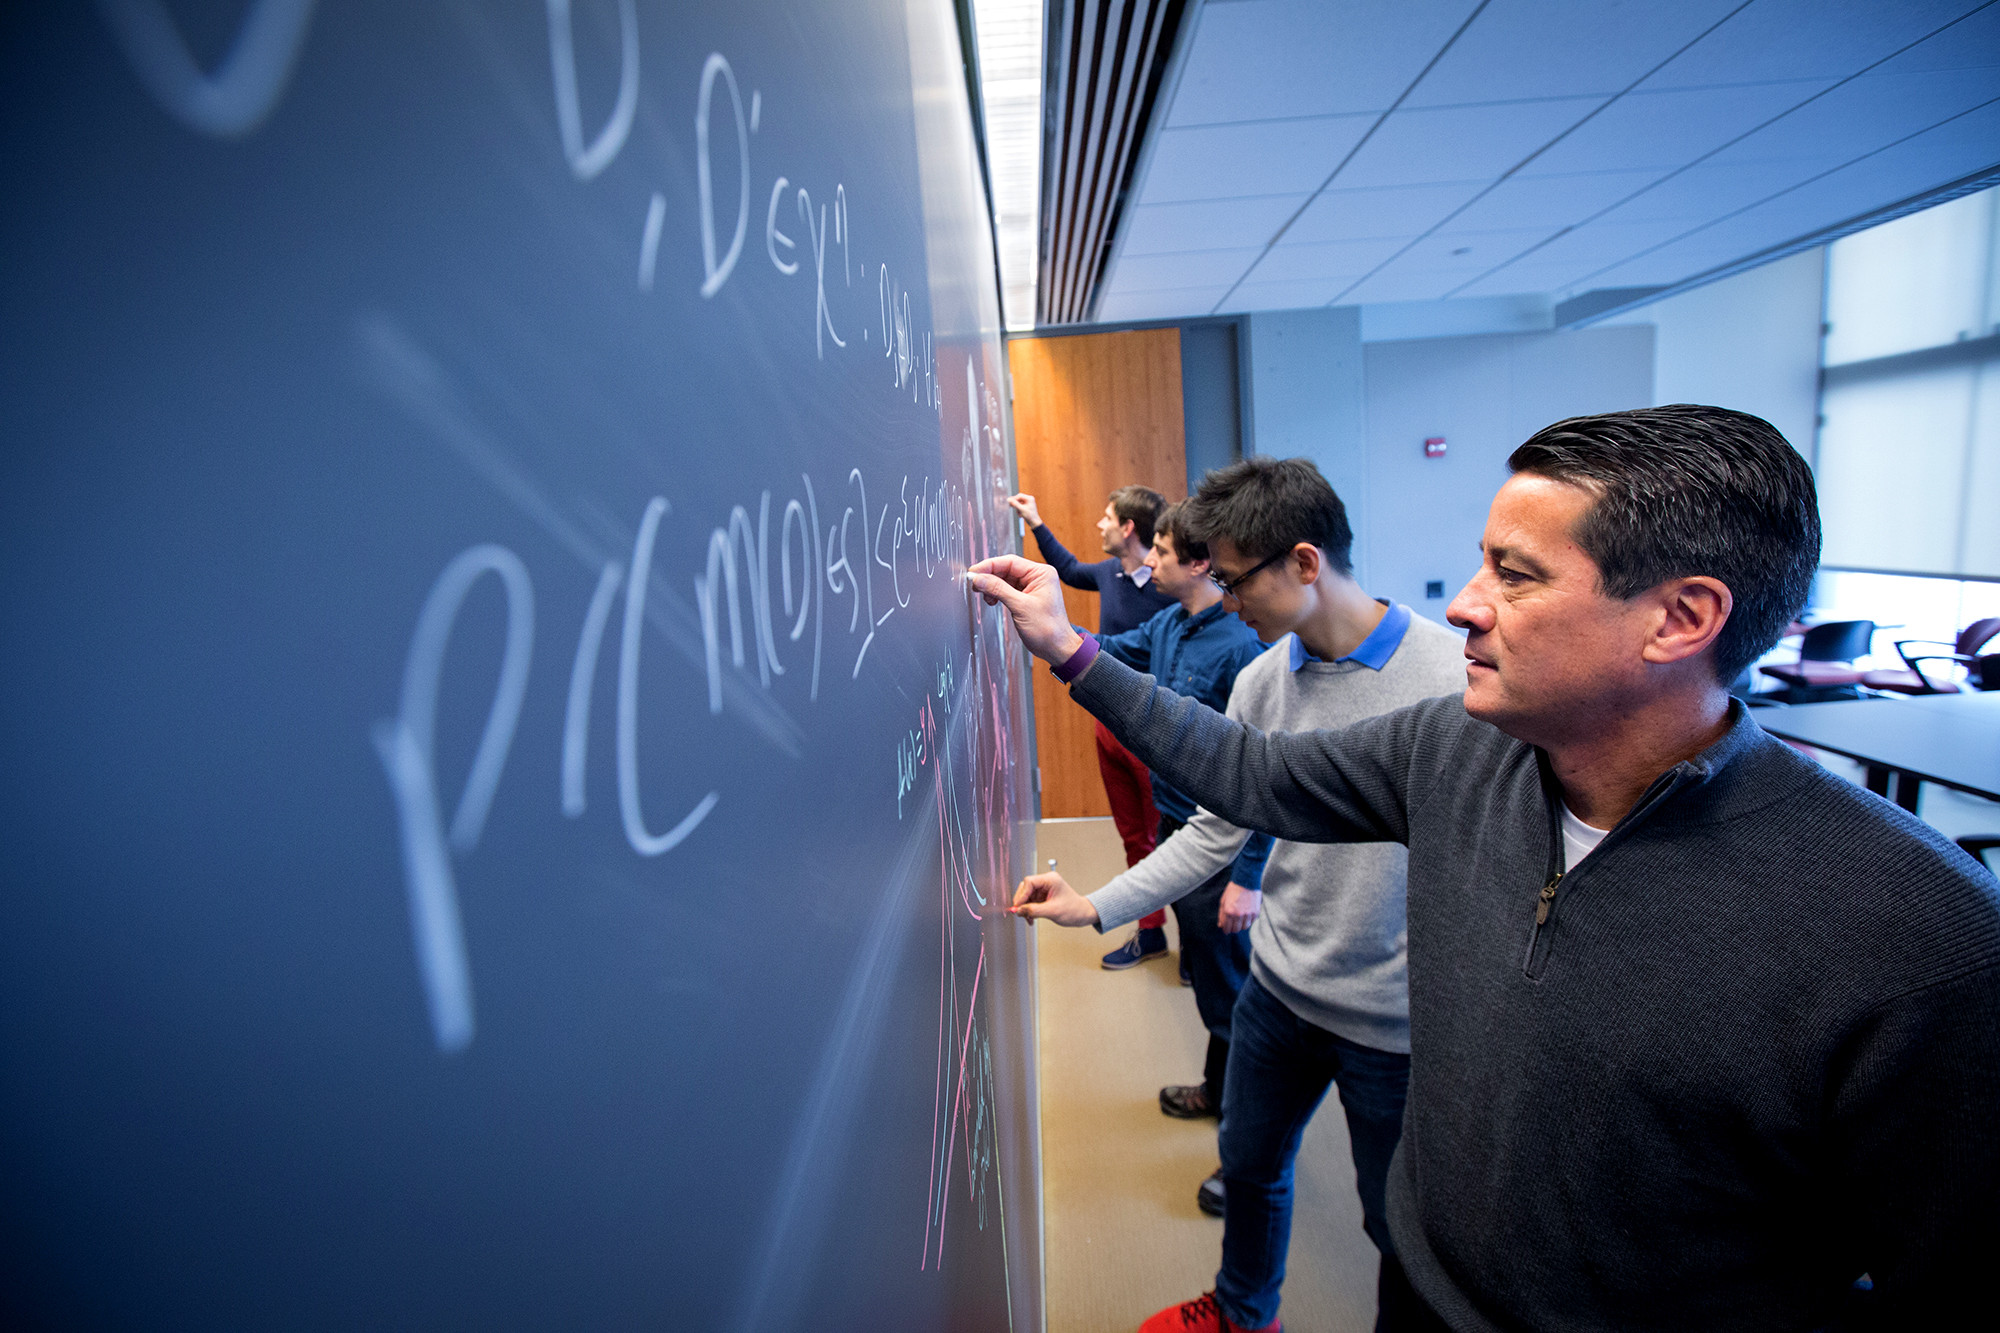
1420,518
1302,393
1750,342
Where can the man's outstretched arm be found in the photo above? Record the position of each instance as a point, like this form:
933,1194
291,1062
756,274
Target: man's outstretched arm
1204,848
1344,786
1067,567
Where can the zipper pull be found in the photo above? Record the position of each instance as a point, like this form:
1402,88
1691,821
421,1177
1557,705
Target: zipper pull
1548,897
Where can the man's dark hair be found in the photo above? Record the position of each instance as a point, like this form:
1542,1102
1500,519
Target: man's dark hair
1689,490
1266,506
1173,526
1140,506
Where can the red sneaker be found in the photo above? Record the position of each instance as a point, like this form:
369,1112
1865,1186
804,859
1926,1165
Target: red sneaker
1201,1315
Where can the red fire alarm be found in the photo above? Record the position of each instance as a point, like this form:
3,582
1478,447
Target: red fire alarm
1434,447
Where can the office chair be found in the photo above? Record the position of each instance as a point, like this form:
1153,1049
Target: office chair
1825,669
1981,672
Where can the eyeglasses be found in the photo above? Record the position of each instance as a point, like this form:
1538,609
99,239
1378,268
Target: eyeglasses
1229,588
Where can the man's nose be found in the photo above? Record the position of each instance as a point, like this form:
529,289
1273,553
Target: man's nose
1468,610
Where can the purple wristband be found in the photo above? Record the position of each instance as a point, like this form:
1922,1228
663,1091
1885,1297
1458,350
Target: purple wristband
1078,661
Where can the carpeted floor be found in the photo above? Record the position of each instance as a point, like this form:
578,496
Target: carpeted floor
1124,1237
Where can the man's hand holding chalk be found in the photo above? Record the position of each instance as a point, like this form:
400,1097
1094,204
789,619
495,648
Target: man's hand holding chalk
1049,897
1032,595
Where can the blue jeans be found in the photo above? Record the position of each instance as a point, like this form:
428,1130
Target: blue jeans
1279,1068
1218,963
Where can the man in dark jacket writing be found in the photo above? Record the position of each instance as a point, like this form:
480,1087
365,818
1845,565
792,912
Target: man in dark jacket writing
1700,1033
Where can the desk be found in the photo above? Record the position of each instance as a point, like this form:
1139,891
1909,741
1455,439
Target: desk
1950,739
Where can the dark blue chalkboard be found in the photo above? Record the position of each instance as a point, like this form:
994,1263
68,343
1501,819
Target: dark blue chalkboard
506,799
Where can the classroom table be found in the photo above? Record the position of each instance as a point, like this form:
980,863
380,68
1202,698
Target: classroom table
1949,739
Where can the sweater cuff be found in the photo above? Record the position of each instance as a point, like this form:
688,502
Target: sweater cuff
1078,662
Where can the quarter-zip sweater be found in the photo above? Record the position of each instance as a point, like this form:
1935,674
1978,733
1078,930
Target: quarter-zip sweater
1748,1050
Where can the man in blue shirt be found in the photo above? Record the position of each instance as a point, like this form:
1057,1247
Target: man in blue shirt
1197,648
1126,598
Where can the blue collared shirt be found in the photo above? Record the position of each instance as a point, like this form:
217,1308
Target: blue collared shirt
1198,656
1374,651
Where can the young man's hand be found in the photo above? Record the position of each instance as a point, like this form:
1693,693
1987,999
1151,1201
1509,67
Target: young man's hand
1024,505
1239,908
1032,595
1050,898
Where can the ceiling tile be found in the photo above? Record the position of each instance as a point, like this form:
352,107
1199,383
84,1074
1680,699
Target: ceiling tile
1805,39
1968,44
1710,190
1403,210
1197,268
1185,303
1958,148
1547,201
1282,295
1165,228
1662,131
1546,48
1348,260
1523,278
1649,270
1601,244
1868,113
1281,58
1392,286
1263,158
1465,257
1458,144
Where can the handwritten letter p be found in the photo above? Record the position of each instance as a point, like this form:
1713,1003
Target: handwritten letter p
407,744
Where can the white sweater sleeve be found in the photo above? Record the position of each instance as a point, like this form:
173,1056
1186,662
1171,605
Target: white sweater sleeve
1184,862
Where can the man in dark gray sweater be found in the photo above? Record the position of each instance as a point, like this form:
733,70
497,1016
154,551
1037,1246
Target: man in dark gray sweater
1700,1033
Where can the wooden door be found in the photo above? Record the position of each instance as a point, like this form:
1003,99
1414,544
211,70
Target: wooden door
1092,412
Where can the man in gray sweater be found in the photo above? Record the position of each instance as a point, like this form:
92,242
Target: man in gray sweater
1328,997
1700,1033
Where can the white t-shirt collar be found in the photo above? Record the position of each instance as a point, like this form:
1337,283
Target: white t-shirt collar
1579,838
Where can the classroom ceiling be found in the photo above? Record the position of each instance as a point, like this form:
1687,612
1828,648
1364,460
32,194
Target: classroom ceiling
1344,152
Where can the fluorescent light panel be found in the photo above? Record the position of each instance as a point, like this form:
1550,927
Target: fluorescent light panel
1010,85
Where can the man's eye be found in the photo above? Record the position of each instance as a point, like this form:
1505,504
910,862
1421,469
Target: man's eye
1509,575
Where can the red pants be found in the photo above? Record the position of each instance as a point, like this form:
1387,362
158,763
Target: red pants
1130,788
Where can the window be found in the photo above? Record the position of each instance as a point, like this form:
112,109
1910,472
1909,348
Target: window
1908,458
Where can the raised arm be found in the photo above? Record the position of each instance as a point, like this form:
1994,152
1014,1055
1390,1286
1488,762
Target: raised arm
1068,568
1341,786
1316,786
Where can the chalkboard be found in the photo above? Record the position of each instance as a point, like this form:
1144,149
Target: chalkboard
507,798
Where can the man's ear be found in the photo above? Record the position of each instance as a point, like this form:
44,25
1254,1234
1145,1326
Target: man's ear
1688,616
1311,562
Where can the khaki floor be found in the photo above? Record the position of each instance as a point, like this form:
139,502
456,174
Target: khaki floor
1124,1236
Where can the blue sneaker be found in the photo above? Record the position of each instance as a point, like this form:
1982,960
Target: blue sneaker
1144,944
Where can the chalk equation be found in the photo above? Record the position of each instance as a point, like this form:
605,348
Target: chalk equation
791,586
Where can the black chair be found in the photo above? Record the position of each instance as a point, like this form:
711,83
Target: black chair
1980,671
1825,669
1977,848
